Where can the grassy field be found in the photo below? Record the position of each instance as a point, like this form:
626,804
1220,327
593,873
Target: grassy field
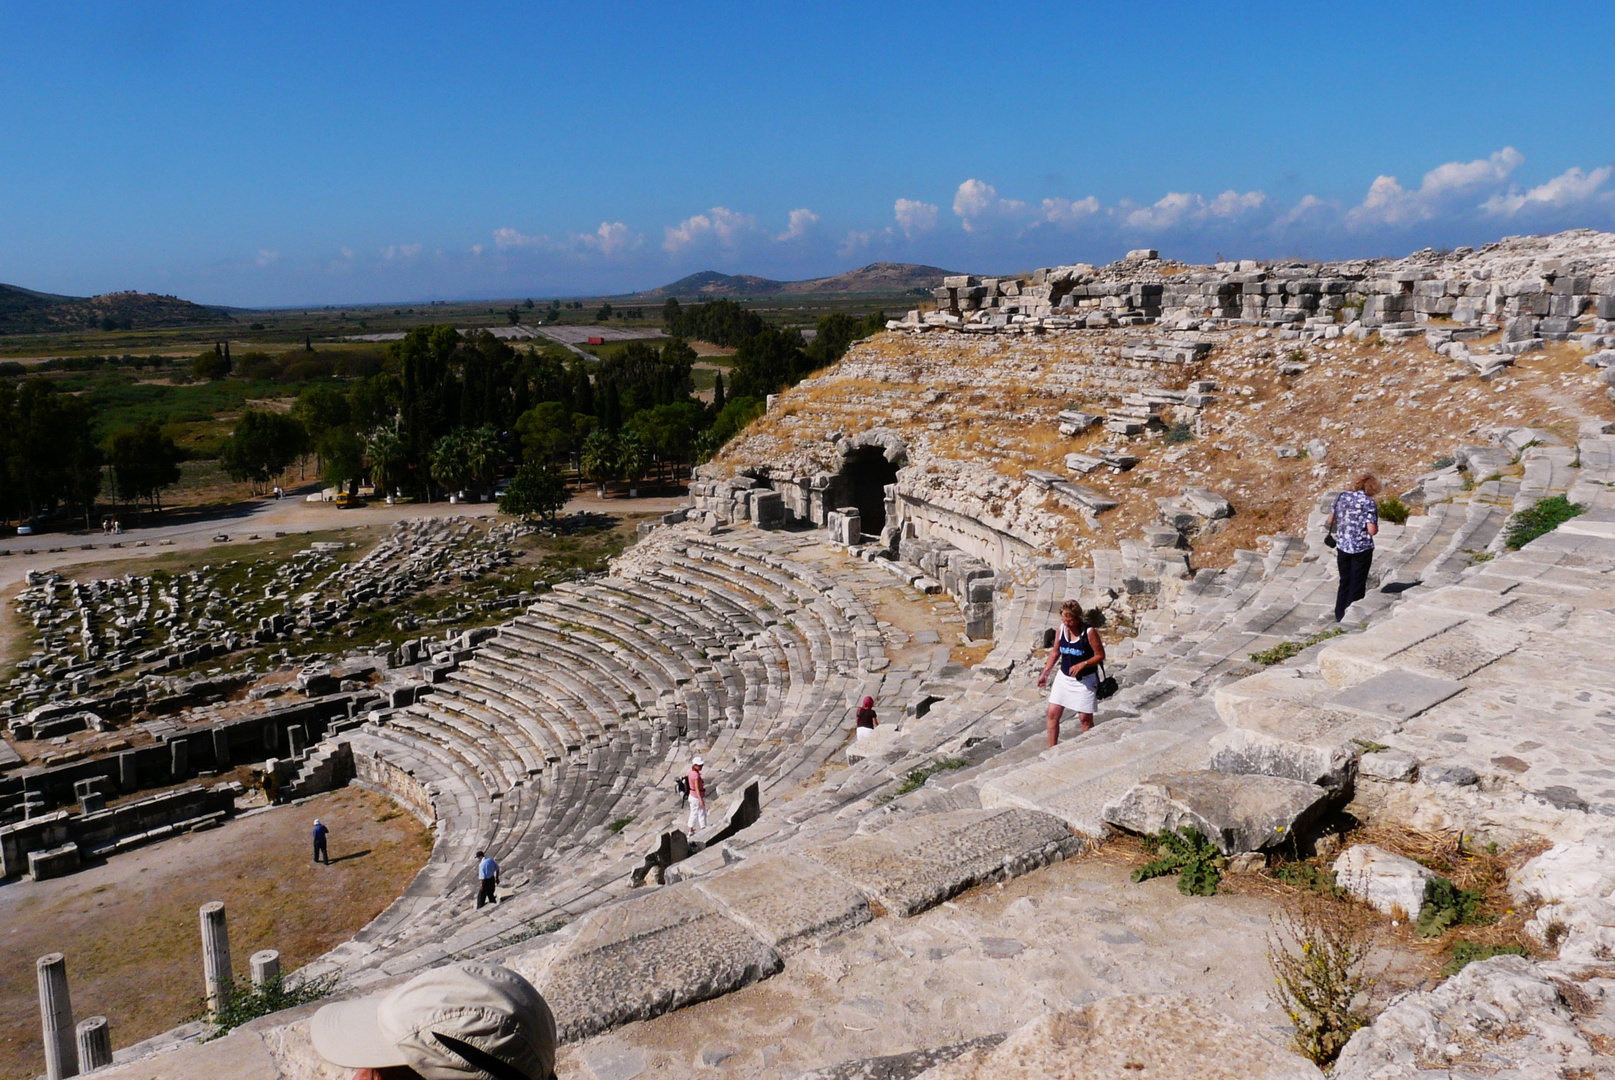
129,931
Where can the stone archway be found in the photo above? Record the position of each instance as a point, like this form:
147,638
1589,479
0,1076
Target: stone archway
864,477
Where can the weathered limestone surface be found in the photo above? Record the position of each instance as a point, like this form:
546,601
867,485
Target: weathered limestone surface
787,901
915,865
639,959
1236,813
1133,1036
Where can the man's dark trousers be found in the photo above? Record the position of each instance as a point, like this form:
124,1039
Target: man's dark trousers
320,854
485,894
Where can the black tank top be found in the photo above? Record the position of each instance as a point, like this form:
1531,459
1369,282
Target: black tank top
1075,652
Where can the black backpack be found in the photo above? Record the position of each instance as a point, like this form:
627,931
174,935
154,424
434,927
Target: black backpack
682,786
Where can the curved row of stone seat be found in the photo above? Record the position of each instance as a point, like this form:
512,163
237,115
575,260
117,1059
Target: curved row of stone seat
568,721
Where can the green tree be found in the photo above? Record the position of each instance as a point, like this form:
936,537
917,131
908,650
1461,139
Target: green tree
450,460
211,366
535,491
342,458
598,461
483,455
262,446
768,362
632,459
144,462
546,431
719,399
603,314
384,458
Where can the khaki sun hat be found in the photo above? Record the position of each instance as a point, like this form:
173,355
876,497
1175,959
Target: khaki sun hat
462,1022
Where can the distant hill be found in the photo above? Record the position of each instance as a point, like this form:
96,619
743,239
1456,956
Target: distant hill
24,311
880,278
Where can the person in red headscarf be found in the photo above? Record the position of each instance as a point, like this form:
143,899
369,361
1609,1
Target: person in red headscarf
866,718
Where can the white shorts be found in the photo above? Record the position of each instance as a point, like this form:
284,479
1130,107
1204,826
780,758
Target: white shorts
1078,695
698,819
864,732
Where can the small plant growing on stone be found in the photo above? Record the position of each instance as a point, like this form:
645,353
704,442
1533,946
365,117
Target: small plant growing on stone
1313,879
247,1002
1180,432
1189,855
1394,510
620,824
1284,650
1465,953
1446,906
1442,462
1318,953
1540,520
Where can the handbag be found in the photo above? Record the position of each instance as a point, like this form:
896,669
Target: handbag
1329,540
1107,684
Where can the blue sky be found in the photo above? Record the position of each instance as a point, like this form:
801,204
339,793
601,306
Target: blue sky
293,154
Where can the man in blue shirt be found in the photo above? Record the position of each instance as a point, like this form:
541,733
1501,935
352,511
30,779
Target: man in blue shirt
487,880
320,833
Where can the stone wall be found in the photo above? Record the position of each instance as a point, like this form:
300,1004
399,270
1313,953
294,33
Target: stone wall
1536,289
103,832
375,773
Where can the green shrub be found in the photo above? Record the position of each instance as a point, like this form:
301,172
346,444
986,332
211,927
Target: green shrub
1180,432
1394,510
1286,649
1465,953
1540,520
1188,854
1446,906
247,1002
1311,878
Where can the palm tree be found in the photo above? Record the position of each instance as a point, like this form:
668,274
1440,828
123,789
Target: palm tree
384,457
599,459
449,460
483,454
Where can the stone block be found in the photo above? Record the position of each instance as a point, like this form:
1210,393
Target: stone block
915,865
53,862
768,509
787,901
1397,693
1235,812
1207,503
1389,765
1387,882
1569,871
650,955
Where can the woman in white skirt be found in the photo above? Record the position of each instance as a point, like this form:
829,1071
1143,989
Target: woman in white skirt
1079,652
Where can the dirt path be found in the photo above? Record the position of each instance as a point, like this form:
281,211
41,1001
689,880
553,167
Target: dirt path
129,926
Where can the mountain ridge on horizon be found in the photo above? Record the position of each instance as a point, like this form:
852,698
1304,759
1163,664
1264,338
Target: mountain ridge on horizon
28,311
876,278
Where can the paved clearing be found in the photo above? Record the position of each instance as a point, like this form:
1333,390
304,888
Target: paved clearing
129,926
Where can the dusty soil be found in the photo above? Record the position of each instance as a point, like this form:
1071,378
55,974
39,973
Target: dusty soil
129,927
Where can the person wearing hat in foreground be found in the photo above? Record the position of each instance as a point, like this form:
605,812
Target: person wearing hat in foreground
462,1022
698,798
321,854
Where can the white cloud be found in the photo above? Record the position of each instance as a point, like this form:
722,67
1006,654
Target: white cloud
611,238
509,238
977,202
1569,188
915,217
1066,212
720,223
854,242
1182,207
801,221
347,252
1310,205
1389,203
401,251
265,256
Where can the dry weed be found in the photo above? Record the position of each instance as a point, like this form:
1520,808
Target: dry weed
1318,952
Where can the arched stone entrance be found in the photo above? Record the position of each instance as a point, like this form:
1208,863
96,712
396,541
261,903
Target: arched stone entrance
864,477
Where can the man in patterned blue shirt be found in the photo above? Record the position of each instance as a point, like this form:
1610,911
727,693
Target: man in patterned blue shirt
1354,521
